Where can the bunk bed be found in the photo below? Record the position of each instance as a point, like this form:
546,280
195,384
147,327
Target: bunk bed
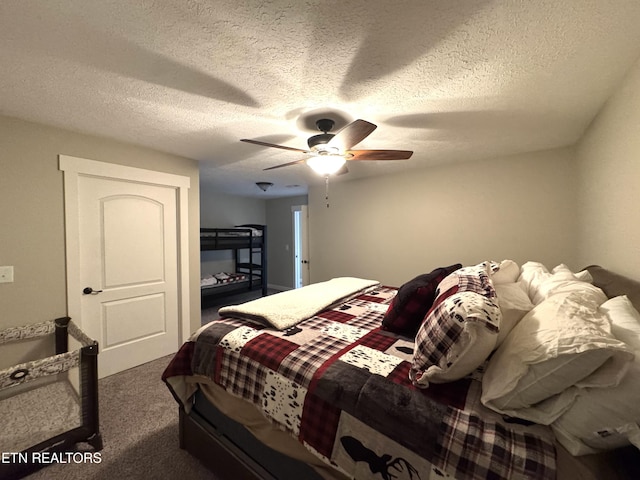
249,275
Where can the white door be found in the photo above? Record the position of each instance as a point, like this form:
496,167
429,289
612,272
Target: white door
128,275
301,246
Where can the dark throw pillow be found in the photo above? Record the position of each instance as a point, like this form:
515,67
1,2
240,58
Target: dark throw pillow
414,299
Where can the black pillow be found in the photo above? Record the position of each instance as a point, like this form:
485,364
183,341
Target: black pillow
413,300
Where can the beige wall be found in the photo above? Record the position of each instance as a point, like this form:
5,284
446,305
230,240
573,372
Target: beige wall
396,227
218,210
32,214
609,186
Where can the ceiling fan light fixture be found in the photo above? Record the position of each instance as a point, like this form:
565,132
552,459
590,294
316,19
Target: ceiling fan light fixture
264,186
326,164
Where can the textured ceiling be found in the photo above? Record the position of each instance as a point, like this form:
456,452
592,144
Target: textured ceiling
453,80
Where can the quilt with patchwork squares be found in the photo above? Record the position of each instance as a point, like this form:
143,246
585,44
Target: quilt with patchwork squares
340,385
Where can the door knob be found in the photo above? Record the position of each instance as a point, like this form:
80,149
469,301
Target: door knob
90,291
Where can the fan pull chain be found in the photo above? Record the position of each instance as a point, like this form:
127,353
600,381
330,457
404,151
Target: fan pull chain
326,192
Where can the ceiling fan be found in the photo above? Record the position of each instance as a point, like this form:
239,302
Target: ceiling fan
328,152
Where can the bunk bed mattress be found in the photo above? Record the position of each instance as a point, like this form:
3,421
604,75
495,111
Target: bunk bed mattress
212,281
339,384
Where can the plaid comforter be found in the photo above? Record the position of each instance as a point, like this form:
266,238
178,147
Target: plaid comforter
339,384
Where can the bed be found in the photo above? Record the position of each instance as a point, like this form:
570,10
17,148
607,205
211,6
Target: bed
353,386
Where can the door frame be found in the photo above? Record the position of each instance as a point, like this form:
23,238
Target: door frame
73,168
299,237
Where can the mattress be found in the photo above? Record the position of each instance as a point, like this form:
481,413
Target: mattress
218,279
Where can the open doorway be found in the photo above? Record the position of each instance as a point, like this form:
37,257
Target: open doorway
300,246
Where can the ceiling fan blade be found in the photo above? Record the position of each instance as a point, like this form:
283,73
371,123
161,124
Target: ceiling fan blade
265,144
379,154
352,134
285,164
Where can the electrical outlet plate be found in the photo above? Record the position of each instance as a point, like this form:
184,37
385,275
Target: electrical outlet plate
6,274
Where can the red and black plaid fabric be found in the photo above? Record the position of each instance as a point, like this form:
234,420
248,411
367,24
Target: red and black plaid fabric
268,350
336,316
440,339
413,301
340,366
181,363
322,425
439,334
453,394
301,365
231,278
477,449
242,376
371,298
377,340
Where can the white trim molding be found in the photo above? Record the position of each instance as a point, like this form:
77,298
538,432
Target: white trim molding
73,168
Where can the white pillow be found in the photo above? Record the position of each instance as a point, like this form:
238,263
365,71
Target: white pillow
603,419
508,272
562,268
558,344
514,304
562,280
531,275
583,275
554,281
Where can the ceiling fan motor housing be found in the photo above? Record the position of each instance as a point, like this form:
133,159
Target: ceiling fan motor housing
324,125
319,139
